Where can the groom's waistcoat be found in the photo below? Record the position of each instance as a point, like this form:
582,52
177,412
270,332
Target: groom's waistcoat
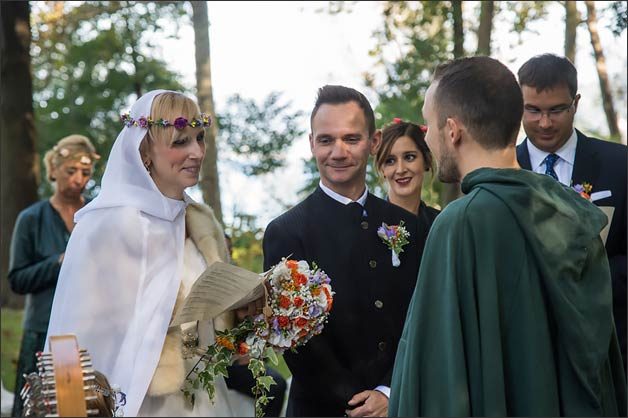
357,347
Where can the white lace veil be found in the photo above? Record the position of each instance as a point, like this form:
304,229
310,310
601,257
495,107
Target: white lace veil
122,269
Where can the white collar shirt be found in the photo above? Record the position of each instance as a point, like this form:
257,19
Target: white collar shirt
563,166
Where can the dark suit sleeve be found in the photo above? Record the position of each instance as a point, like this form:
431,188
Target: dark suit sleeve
280,240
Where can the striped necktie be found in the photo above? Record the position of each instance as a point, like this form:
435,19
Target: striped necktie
550,160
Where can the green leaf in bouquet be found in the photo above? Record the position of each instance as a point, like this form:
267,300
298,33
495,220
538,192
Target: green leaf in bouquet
221,368
270,354
266,382
257,367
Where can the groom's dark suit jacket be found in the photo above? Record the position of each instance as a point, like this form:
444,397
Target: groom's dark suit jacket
356,350
603,164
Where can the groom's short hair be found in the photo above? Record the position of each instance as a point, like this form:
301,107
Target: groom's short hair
547,71
331,94
484,95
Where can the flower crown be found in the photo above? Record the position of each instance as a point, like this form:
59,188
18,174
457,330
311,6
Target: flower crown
179,123
86,158
423,128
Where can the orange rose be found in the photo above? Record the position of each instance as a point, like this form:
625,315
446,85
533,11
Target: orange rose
330,300
298,301
243,348
292,264
284,302
283,321
225,342
301,322
316,291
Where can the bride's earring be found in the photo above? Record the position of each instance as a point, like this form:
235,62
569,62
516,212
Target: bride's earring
147,165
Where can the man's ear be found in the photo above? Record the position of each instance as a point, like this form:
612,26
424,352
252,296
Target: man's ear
453,131
376,141
311,143
575,103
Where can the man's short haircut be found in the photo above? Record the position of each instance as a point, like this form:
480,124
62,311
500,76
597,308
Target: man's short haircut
547,71
330,94
482,93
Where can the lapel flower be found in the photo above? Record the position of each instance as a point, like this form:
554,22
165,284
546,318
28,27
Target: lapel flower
584,190
395,237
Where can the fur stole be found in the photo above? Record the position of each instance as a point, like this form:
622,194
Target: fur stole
209,239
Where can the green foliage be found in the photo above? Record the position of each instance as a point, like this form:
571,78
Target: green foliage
89,60
259,135
246,242
11,320
619,17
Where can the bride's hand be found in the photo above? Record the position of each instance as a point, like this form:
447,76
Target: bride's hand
252,309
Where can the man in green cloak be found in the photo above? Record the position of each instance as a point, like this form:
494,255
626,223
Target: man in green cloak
512,312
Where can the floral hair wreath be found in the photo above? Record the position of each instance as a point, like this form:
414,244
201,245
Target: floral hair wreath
179,123
86,157
423,128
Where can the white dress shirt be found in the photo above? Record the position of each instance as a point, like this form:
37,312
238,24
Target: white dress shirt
563,166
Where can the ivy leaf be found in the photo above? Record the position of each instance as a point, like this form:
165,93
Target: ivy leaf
270,354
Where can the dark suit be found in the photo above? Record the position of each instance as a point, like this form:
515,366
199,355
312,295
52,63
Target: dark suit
356,350
603,164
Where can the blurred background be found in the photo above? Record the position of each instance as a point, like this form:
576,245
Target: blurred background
73,67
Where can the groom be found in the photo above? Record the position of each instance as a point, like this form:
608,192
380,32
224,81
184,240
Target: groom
347,369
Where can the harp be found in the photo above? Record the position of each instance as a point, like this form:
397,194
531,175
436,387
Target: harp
66,384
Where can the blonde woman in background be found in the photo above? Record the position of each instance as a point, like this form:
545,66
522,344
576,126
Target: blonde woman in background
38,244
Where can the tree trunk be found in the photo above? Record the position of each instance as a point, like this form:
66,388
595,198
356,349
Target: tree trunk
486,27
451,191
20,163
209,183
458,29
572,19
607,98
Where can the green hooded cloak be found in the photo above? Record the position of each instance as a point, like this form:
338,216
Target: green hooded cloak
512,312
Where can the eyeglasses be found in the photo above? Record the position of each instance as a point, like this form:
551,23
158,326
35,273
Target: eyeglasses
534,114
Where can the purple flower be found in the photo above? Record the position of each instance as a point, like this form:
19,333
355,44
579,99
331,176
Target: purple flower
142,122
275,325
314,310
316,278
579,188
180,123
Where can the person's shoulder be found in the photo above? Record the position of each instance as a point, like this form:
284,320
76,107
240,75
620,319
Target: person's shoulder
293,216
477,204
118,218
35,209
432,211
608,148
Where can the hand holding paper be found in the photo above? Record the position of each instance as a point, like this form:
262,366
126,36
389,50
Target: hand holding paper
220,288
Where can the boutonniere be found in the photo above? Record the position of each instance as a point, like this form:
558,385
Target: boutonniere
584,190
395,237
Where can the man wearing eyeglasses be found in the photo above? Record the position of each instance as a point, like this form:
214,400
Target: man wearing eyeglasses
553,146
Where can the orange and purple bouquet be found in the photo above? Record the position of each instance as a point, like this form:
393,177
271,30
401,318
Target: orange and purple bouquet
299,299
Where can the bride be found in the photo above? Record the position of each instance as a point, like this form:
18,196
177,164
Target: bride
133,256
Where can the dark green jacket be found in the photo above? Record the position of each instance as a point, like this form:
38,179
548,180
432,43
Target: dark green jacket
512,312
39,238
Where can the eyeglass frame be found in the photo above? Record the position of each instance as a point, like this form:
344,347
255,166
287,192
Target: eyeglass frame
553,114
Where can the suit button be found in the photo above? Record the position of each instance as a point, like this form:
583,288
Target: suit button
364,225
381,345
379,304
373,264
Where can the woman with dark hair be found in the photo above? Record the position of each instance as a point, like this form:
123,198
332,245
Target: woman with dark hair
402,159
